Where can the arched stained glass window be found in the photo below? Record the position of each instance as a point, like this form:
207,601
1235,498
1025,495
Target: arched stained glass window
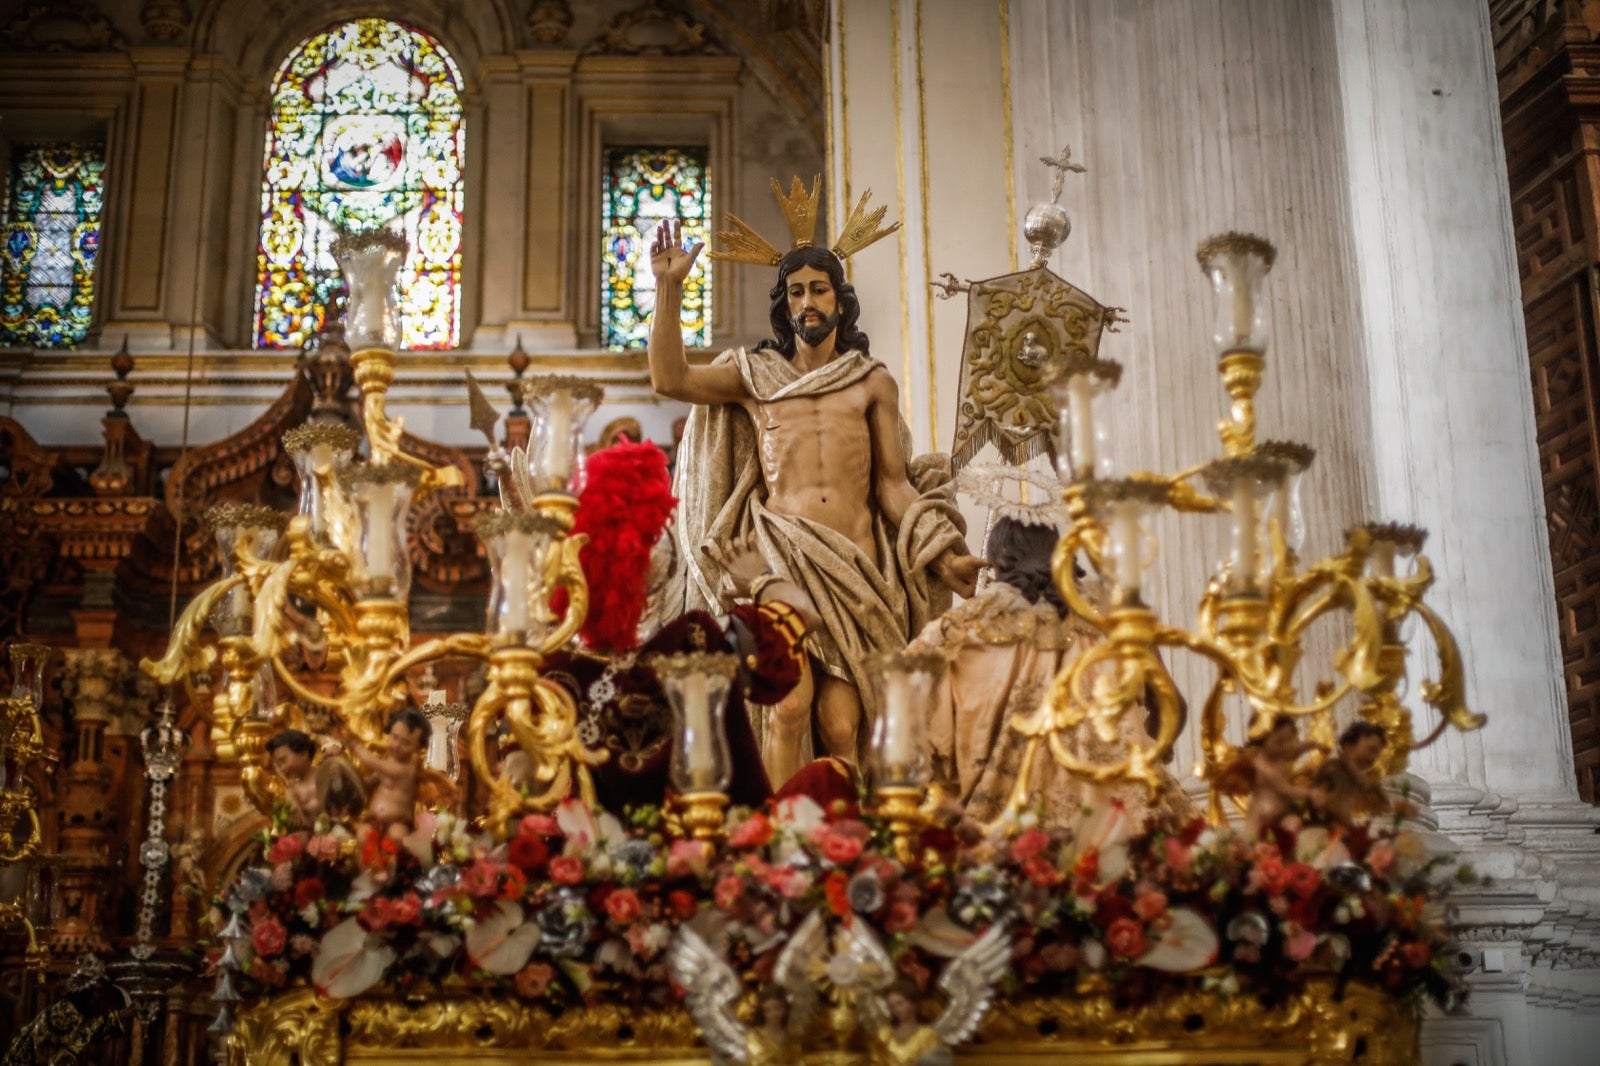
364,131
643,186
52,233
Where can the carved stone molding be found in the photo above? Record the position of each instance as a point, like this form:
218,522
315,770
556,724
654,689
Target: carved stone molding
164,19
548,22
62,26
652,30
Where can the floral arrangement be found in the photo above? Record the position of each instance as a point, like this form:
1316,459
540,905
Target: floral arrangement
578,906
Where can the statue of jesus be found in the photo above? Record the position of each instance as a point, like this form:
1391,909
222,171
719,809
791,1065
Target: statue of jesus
799,445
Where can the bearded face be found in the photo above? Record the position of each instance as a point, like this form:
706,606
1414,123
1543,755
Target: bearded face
813,326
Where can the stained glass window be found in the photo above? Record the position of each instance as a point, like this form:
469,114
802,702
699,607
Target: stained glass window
643,186
364,131
52,232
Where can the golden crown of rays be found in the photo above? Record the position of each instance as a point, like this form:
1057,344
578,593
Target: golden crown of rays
863,226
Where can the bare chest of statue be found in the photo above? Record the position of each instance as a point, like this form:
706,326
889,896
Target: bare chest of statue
816,458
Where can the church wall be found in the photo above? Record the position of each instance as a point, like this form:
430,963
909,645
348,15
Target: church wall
185,116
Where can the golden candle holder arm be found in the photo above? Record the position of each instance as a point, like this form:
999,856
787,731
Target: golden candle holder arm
35,957
564,570
374,371
187,654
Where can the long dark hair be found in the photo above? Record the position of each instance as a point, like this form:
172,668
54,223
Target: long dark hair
848,338
1020,555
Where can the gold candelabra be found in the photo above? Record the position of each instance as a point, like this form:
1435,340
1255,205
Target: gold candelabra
22,752
1258,605
339,572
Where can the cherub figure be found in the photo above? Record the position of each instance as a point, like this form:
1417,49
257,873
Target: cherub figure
186,856
899,1035
316,781
906,1040
784,1007
1265,769
394,775
1344,788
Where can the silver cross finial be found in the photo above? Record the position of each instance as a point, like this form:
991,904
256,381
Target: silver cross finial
1061,164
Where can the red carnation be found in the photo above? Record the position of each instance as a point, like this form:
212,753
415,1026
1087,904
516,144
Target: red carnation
1303,879
682,904
753,832
407,910
838,892
1029,844
1416,954
902,918
1125,938
622,906
308,890
527,853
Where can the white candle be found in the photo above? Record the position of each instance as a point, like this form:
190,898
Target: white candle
899,746
1245,549
1382,558
380,530
558,454
1080,393
1126,548
514,583
1244,311
700,756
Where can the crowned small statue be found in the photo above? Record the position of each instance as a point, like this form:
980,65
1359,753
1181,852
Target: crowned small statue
798,445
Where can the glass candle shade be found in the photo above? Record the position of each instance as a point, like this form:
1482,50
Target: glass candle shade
380,494
1247,484
560,405
27,673
370,262
320,451
1083,440
1121,507
1391,541
518,544
1284,514
1236,264
899,755
443,752
253,529
697,686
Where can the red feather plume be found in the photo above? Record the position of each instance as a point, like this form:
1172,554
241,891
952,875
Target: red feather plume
624,507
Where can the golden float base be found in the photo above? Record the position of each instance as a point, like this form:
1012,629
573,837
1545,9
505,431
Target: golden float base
1181,1029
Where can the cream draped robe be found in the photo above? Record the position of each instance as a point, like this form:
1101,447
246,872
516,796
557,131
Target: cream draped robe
867,605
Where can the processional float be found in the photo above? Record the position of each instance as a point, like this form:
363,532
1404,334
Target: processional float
517,920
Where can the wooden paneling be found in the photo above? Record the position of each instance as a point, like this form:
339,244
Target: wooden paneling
1545,51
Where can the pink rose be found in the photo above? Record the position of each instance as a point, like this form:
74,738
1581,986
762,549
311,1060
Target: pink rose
1029,844
566,869
407,910
1381,856
282,877
324,848
1179,854
1148,905
540,825
753,832
534,978
287,848
902,918
839,849
301,945
269,936
689,858
1059,957
1298,943
481,879
729,890
787,881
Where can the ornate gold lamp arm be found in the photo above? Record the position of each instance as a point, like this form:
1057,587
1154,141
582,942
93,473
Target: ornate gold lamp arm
564,570
186,654
374,372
